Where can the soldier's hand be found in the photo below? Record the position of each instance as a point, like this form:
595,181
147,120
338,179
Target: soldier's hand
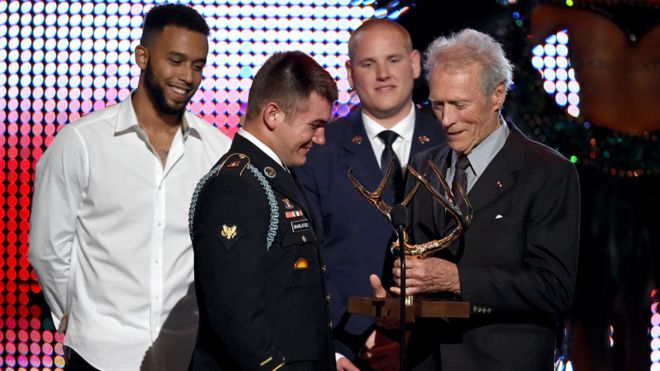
344,364
380,292
381,352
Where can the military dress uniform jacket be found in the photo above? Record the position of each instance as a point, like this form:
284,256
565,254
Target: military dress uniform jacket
517,261
258,274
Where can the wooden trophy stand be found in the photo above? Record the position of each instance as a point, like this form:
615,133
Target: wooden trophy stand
419,308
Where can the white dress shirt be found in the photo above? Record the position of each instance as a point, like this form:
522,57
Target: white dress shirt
401,146
109,237
262,146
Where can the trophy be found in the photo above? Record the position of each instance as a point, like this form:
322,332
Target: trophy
420,306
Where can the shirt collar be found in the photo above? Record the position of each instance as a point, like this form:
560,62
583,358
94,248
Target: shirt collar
263,147
405,128
127,120
484,152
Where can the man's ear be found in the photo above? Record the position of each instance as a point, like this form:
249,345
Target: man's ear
272,115
498,96
141,57
416,63
349,72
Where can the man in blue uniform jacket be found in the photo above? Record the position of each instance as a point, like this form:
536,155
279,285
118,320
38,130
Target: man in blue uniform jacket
382,67
258,274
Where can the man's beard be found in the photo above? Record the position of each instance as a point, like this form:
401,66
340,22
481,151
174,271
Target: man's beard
158,95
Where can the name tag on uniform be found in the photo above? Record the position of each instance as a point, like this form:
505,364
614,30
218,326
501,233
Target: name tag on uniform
299,225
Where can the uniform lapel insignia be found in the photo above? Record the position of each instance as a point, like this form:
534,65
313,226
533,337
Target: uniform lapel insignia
357,139
499,184
270,172
423,139
301,263
233,164
287,203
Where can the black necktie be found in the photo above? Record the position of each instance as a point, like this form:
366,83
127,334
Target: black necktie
459,184
396,182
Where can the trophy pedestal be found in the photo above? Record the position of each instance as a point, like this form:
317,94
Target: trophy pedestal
420,308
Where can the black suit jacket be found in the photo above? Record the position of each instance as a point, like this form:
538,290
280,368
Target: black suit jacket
356,235
517,261
258,275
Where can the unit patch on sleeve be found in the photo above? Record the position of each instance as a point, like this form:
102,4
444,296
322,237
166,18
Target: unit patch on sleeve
229,233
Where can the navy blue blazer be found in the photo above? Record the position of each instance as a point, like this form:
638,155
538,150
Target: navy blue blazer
356,236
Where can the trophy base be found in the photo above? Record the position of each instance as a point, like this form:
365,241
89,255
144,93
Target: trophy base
420,308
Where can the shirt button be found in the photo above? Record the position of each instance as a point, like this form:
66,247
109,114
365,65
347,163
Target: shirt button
327,298
303,238
324,267
330,324
160,224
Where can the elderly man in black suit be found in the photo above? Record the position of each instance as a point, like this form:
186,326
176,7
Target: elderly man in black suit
258,275
516,263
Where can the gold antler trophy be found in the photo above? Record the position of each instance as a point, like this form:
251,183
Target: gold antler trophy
418,307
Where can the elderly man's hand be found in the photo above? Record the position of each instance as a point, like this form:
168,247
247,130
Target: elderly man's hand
427,275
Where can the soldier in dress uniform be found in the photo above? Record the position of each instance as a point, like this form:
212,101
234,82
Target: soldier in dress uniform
258,275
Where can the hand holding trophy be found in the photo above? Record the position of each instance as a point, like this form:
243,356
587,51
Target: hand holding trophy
419,307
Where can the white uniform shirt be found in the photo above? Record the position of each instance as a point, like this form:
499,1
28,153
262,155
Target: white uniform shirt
109,238
401,146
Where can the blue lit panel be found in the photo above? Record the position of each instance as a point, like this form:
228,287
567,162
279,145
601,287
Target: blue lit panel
552,61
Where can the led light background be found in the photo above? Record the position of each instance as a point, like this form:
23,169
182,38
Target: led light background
61,60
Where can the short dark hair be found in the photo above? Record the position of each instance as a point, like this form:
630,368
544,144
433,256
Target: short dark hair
289,79
177,15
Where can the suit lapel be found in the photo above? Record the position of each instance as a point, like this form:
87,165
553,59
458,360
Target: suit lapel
499,175
312,211
425,135
282,181
440,217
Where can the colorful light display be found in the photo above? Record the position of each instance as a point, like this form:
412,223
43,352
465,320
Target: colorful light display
61,60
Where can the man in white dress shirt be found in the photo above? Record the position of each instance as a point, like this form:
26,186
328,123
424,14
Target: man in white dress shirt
109,233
